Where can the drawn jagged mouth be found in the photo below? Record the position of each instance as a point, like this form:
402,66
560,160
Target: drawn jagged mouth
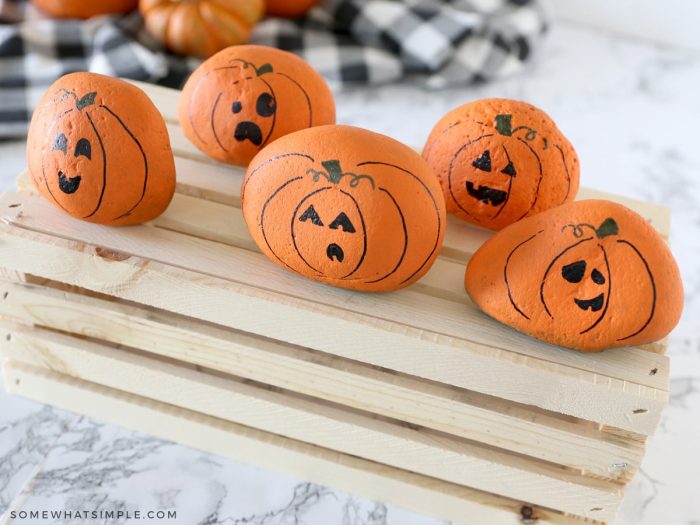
68,185
487,195
335,252
594,304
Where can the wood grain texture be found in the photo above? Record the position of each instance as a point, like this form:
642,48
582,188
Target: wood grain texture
354,433
461,505
192,212
436,313
505,425
419,352
166,101
413,397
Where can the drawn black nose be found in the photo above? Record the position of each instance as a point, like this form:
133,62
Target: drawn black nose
66,184
248,131
335,252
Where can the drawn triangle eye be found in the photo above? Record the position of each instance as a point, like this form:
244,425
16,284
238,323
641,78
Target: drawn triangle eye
574,272
83,148
60,143
509,169
342,222
597,277
311,215
483,163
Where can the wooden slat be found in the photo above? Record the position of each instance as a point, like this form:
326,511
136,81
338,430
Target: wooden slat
461,505
417,352
409,307
575,444
191,214
209,182
218,222
657,215
354,433
420,379
166,101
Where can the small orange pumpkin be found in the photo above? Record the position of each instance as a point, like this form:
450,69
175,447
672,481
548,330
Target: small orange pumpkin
345,206
244,97
587,275
84,9
500,160
200,27
289,8
98,148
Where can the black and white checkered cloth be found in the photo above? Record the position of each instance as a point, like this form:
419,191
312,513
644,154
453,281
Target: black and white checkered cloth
440,42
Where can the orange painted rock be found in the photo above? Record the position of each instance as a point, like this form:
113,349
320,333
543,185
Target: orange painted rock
500,160
83,9
587,275
98,149
345,206
244,97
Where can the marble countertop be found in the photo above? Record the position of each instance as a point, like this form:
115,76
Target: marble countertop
630,108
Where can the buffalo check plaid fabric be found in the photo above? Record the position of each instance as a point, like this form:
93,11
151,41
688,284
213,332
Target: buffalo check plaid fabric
439,43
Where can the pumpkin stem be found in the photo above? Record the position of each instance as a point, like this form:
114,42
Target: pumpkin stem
333,169
334,174
265,68
85,101
503,124
608,227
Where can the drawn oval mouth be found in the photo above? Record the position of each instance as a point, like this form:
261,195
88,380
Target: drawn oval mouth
335,252
68,185
594,304
248,131
486,195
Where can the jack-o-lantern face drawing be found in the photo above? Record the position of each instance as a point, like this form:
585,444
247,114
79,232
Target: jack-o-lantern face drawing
244,97
372,218
588,275
329,233
501,160
85,156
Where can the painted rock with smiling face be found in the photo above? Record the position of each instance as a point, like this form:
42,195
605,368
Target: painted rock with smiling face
587,275
98,149
501,160
244,97
345,206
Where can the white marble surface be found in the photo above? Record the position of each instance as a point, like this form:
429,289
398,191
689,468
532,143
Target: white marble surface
631,109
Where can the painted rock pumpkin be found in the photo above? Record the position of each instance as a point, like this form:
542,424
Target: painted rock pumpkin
244,97
98,149
500,160
587,275
345,206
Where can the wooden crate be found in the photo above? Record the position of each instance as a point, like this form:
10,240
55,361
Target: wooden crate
180,328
